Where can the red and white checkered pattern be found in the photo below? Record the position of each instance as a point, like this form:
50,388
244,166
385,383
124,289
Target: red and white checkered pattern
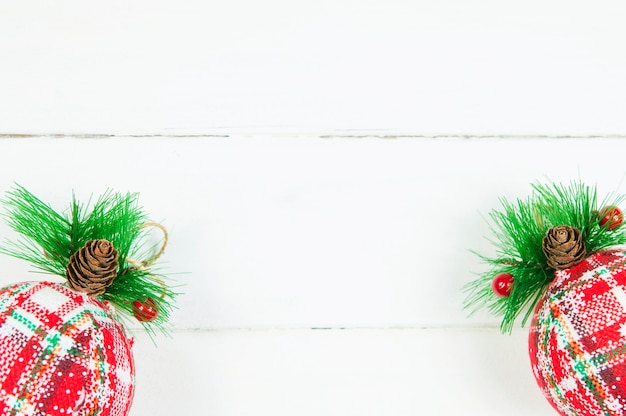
577,340
61,354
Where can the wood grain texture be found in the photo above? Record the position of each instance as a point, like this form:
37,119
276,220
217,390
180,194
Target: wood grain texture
390,66
337,373
309,232
318,165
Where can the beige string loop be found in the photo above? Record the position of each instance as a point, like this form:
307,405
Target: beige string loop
143,265
150,261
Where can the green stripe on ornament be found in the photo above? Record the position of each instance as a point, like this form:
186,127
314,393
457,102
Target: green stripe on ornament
603,358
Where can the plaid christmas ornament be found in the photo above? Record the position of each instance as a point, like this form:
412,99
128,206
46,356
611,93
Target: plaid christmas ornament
577,340
62,354
63,351
558,262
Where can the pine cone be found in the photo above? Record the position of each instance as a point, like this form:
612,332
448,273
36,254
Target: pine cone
92,268
563,247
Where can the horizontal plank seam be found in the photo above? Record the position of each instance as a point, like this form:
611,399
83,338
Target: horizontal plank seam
363,135
341,329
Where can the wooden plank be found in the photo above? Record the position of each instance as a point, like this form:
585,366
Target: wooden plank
309,232
391,66
334,372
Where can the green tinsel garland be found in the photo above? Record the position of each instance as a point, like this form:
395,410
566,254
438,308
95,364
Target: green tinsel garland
518,231
48,239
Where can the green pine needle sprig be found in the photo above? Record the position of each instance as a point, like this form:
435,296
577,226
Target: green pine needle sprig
518,230
48,239
44,234
135,284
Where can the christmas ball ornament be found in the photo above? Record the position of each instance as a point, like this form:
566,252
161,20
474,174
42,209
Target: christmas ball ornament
611,217
63,354
502,284
578,336
570,282
63,348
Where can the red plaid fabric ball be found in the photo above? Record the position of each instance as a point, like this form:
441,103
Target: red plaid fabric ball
61,354
577,340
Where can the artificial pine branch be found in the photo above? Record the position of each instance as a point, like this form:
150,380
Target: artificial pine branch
49,239
117,218
518,230
45,241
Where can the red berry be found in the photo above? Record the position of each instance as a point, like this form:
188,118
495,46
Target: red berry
502,284
146,311
611,217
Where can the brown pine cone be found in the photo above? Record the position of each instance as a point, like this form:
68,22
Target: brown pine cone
92,268
563,247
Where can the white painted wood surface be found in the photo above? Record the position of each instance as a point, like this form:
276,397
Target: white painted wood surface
408,66
401,372
322,168
275,237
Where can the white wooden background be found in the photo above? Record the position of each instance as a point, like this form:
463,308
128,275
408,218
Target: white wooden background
322,168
